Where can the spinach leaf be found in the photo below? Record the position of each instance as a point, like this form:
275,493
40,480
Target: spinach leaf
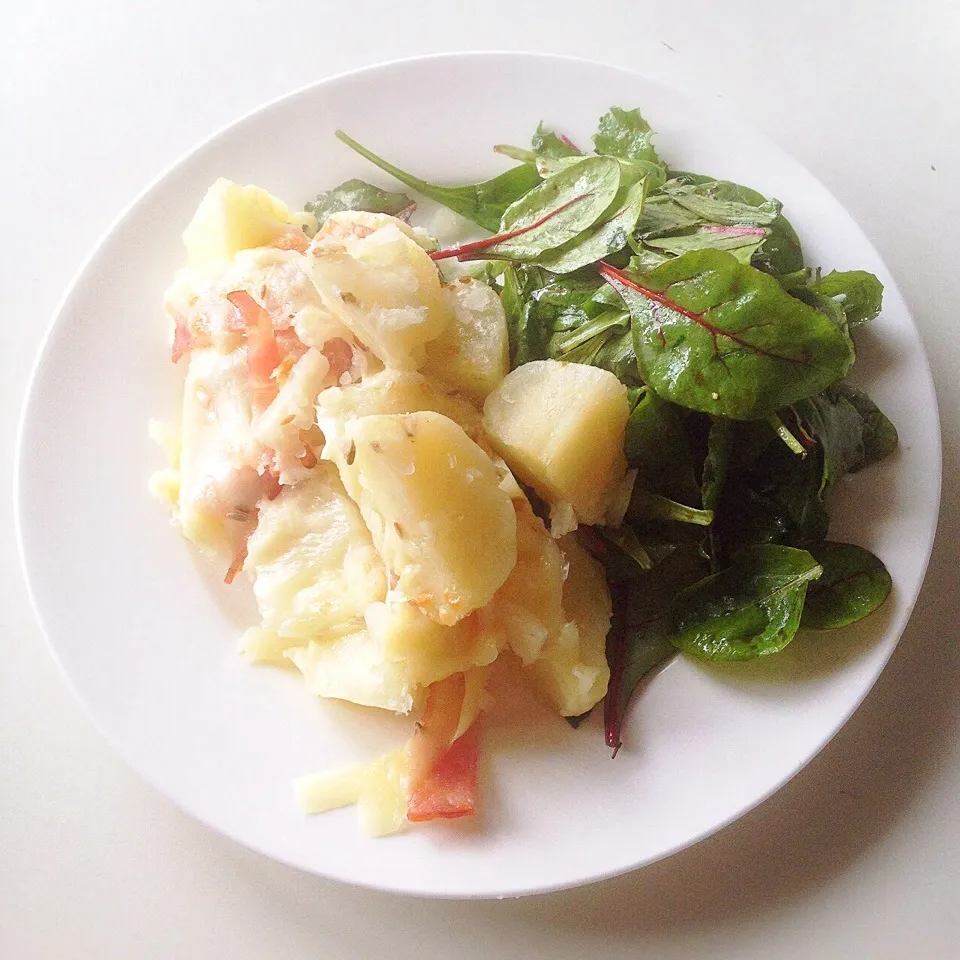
572,200
527,339
625,134
723,202
853,585
879,434
482,203
750,609
359,195
656,444
716,463
601,239
858,293
713,334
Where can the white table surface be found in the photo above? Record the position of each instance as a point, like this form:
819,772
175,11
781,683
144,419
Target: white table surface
858,857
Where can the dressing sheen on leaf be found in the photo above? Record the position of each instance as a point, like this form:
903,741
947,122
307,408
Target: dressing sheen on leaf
750,609
716,335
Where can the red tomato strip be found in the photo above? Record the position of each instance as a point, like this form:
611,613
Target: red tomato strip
263,354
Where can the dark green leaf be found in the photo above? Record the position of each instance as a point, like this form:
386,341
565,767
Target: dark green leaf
625,134
483,203
645,505
853,585
879,434
656,444
858,293
750,609
835,423
359,195
639,635
714,474
713,334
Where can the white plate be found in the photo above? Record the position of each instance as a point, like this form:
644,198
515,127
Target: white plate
146,635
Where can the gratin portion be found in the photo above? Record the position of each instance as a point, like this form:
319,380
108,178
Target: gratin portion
348,441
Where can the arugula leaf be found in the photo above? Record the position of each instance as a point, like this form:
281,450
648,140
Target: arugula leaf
602,239
360,195
750,609
576,198
858,293
853,585
713,334
723,202
482,203
625,134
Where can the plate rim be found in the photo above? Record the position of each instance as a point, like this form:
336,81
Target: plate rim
56,318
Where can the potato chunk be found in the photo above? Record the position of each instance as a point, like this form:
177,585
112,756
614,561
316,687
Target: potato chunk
314,567
560,427
433,502
231,218
472,355
381,284
573,669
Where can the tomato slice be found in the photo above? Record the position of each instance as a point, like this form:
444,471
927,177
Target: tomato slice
263,354
450,789
443,771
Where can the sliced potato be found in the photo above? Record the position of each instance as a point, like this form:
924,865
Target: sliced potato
314,567
472,355
572,670
381,284
560,428
433,502
527,609
396,391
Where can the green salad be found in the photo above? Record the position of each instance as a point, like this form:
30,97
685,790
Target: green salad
694,293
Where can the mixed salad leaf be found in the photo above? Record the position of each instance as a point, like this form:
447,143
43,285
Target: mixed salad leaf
693,291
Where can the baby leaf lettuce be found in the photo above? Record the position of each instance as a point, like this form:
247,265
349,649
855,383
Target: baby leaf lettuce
715,335
858,293
625,134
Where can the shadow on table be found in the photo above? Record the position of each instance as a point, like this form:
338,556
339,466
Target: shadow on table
799,840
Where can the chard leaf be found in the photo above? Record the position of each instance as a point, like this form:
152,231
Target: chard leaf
835,423
723,202
853,585
715,335
750,609
858,293
602,239
482,203
359,195
626,135
573,200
